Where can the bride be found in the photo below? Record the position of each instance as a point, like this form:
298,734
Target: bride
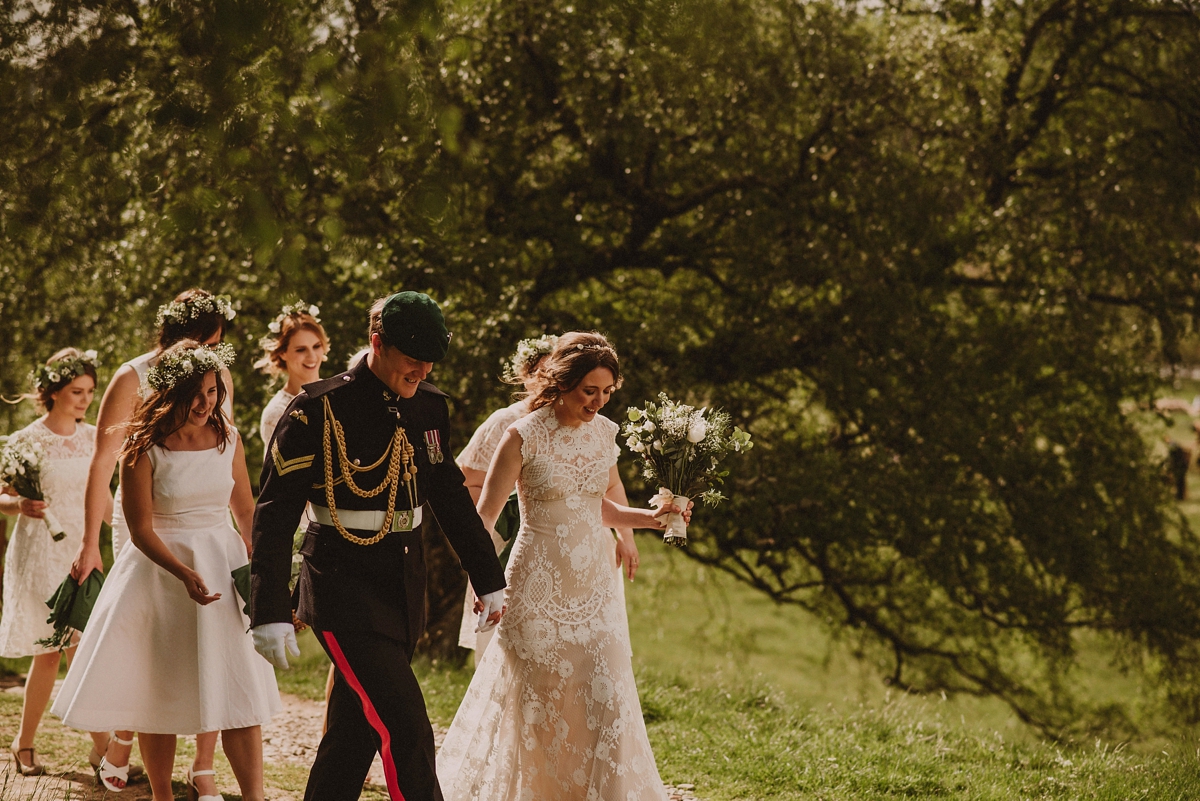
552,711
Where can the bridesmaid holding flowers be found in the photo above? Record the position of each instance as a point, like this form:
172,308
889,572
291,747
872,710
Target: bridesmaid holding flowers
36,563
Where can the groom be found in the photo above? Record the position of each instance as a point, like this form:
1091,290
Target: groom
368,450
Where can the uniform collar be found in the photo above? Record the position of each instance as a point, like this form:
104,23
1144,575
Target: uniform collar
365,378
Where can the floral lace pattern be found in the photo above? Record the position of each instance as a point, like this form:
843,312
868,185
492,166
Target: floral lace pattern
34,563
552,711
486,439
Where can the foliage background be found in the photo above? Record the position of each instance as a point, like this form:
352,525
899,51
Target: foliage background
932,254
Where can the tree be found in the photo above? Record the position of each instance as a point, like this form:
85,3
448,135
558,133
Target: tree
926,252
930,253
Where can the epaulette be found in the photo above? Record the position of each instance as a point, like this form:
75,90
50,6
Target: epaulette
425,385
318,388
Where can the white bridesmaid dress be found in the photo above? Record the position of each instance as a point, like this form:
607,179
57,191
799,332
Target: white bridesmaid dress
152,659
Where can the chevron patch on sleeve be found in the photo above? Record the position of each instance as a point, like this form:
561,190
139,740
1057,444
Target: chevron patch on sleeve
285,466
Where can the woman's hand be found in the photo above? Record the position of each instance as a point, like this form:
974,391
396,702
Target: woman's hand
196,588
32,508
86,560
627,554
660,514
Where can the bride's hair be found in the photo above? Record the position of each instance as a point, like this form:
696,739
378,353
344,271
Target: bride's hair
164,411
576,355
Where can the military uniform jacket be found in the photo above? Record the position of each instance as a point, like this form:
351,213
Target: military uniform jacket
343,585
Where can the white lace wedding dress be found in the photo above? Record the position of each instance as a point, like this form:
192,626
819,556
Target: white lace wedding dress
552,712
34,563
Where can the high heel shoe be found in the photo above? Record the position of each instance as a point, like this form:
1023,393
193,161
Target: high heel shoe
114,777
34,768
95,758
192,793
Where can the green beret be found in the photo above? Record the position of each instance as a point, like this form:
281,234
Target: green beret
413,323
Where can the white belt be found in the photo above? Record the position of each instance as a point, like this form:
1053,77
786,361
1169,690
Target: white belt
363,520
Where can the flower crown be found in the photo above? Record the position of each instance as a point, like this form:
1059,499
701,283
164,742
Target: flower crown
176,365
297,308
64,369
528,352
178,312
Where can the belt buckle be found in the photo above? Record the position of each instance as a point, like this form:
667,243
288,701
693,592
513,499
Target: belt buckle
402,520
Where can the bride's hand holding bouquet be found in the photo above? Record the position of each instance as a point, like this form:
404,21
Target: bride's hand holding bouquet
681,448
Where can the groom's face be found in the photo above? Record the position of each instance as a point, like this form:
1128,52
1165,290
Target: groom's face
400,372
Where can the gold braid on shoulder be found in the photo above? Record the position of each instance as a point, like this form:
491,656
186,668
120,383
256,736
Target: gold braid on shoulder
402,467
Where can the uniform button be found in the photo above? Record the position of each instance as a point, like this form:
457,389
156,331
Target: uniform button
345,378
406,549
356,462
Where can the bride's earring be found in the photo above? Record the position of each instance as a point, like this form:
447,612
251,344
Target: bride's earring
560,401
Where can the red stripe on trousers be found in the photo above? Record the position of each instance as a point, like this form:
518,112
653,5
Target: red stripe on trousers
385,750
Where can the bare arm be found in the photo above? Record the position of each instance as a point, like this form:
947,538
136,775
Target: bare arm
116,409
620,516
228,379
474,481
501,478
138,502
627,552
242,501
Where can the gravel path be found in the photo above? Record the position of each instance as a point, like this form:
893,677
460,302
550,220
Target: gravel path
292,737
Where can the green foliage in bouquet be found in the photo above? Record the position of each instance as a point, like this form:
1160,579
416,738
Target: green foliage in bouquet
681,447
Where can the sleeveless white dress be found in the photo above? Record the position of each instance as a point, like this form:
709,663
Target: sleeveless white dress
34,563
141,365
552,712
152,659
478,456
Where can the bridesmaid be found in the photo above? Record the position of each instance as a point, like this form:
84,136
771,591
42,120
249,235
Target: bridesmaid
296,348
193,314
168,621
35,564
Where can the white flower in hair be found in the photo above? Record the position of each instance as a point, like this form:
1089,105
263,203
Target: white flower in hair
274,327
53,377
174,366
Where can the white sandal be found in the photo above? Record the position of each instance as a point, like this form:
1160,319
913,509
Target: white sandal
115,778
192,793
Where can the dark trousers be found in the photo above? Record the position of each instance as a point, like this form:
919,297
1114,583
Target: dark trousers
376,706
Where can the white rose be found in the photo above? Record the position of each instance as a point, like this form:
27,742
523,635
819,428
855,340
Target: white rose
186,365
648,425
273,327
314,311
91,354
230,313
697,430
658,445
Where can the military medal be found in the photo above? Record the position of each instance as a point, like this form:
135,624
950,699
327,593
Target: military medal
433,446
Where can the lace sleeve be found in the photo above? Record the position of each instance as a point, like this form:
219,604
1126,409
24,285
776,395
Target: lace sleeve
534,435
611,430
271,414
478,453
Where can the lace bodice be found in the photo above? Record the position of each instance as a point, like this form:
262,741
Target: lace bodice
65,478
486,439
552,711
557,460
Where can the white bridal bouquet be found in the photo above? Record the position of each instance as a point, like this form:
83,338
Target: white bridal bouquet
681,447
21,464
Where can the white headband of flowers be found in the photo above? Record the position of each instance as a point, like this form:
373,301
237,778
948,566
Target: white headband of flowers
297,308
179,312
177,365
64,369
528,352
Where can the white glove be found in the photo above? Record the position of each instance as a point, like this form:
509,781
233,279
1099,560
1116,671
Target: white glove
492,602
275,641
